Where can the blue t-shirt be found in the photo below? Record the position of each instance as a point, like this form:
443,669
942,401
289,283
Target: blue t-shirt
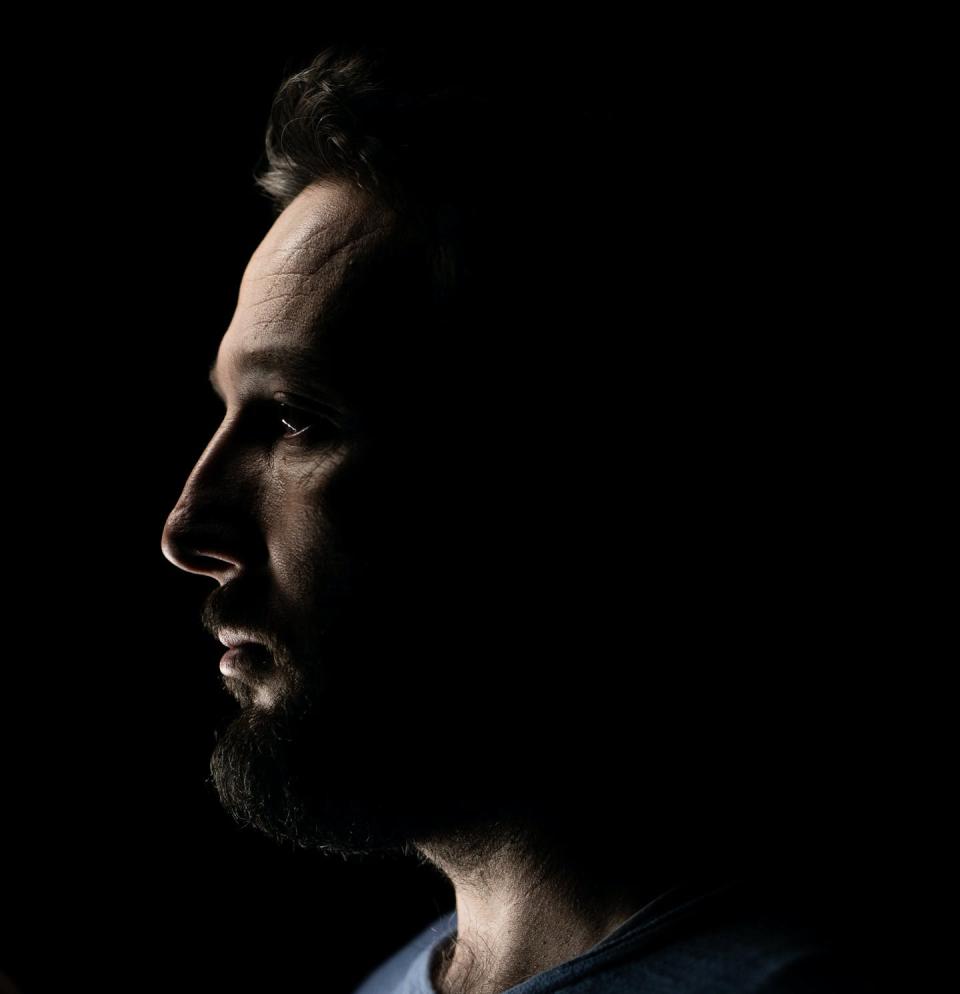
691,940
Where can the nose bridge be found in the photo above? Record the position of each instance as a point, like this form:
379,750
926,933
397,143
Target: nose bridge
201,483
204,525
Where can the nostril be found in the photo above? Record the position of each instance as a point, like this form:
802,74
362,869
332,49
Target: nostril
183,546
205,564
211,539
210,562
199,560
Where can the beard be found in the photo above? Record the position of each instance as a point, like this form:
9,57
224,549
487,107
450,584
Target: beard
296,773
277,770
347,756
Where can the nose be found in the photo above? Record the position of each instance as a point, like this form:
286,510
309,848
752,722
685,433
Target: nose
211,529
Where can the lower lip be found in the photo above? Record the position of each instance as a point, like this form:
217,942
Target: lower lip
242,660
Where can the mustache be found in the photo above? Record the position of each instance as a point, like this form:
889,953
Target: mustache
230,607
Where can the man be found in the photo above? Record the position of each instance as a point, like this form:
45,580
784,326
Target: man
473,520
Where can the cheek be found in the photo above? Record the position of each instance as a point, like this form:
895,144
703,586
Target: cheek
301,534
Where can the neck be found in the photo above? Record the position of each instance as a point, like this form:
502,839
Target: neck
525,904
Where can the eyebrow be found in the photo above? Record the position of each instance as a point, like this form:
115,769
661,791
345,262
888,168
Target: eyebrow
304,371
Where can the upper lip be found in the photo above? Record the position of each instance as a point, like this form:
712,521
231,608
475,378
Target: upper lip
232,637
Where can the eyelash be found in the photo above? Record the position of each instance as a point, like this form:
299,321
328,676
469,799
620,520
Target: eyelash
287,412
270,418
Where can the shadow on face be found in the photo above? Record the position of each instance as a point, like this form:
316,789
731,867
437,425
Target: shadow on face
539,542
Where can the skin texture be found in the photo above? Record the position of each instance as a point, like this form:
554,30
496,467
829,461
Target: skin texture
522,911
285,525
257,503
366,555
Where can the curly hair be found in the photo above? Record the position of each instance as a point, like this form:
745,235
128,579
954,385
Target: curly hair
482,148
389,119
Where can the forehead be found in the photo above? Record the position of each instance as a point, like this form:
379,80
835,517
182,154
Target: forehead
296,279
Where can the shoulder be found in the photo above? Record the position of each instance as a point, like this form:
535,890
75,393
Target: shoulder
752,949
395,974
738,943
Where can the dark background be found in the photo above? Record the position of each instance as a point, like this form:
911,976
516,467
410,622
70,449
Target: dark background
133,215
121,870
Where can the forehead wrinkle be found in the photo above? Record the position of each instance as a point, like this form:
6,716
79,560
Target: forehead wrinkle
292,282
323,219
323,256
296,297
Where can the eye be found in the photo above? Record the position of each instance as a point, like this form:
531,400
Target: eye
296,421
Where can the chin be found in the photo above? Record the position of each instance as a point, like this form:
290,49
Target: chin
302,781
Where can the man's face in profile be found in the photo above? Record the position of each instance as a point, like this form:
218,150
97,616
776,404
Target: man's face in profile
318,507
258,507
